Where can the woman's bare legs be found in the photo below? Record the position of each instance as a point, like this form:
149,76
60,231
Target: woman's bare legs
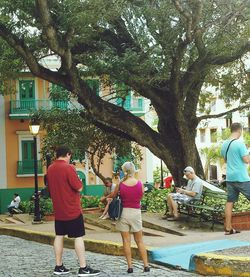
142,249
126,239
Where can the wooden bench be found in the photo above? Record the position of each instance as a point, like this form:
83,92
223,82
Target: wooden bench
210,207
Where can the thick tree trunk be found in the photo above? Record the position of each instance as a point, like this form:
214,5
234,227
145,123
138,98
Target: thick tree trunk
182,154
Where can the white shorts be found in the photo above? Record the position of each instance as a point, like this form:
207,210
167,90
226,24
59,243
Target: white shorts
180,197
130,221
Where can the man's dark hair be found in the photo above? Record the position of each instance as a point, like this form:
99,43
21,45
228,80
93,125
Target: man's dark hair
235,127
108,179
16,194
62,151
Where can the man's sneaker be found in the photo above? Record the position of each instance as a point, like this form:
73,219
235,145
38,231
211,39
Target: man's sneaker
88,271
61,270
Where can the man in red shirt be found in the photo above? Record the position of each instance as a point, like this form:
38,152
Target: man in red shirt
168,182
65,187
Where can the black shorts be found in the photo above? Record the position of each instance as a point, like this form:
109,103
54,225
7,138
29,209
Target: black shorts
73,228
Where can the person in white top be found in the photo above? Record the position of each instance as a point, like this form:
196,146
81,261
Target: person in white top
107,197
14,203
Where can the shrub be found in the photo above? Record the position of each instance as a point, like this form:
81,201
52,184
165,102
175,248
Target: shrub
90,201
26,206
46,206
155,200
243,205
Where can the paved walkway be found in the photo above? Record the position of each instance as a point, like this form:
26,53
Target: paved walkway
101,236
23,258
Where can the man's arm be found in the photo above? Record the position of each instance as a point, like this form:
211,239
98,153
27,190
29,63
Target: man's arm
74,180
187,192
80,189
246,159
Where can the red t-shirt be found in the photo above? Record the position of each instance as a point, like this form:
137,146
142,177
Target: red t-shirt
168,181
64,184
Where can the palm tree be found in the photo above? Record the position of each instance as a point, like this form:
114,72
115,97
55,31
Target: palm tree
212,155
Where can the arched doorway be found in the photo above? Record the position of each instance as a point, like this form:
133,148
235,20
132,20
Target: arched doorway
82,177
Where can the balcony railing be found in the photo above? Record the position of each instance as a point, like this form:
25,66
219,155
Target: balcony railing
26,107
133,104
27,167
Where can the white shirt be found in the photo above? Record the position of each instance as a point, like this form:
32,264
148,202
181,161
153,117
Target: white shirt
16,202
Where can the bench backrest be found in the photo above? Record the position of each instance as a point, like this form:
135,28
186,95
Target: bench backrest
212,198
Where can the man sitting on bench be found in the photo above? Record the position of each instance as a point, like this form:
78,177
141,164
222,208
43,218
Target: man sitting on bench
14,204
192,191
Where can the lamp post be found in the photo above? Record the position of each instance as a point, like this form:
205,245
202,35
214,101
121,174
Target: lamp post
161,186
34,129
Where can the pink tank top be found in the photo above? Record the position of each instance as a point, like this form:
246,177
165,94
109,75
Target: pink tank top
131,195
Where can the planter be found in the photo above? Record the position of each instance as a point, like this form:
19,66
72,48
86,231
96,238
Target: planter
93,210
49,217
241,221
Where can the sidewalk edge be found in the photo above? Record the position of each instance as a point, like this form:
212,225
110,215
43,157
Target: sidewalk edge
97,246
222,265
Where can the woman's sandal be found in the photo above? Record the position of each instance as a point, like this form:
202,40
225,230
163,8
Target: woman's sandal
130,270
231,232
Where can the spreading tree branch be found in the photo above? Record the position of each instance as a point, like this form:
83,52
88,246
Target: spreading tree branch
37,69
54,42
240,108
188,18
223,59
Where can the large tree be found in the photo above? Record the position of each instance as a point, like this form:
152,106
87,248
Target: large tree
164,50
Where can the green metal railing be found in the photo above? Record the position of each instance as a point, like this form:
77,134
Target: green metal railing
132,104
28,106
27,167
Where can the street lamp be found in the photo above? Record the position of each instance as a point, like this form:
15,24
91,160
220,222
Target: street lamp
34,129
161,186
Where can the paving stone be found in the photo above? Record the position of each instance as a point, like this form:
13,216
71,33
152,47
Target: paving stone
28,259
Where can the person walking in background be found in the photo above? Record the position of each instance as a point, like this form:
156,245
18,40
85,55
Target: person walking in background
107,197
131,192
236,155
14,204
64,187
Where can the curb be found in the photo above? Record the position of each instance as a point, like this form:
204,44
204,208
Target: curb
222,265
97,246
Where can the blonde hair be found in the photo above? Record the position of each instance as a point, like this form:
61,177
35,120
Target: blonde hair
128,169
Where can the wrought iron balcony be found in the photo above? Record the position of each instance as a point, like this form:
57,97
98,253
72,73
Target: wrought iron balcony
24,108
27,167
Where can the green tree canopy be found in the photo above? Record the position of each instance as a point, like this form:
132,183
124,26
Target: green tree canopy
69,127
164,50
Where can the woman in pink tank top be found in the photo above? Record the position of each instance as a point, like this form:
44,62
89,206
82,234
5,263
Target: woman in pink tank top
131,193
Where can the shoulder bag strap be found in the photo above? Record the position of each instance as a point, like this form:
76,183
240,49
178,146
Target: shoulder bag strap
118,193
228,148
